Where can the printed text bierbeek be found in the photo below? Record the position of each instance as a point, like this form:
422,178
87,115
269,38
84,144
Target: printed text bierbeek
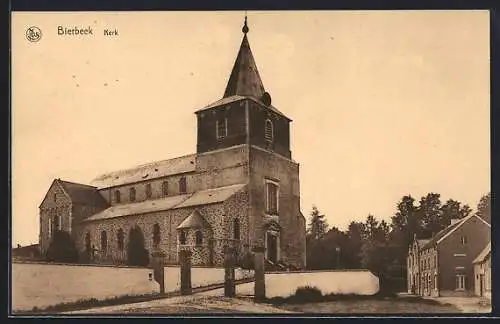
83,31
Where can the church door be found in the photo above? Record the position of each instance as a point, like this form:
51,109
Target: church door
272,248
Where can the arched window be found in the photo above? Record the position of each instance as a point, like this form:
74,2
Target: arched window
132,194
269,130
104,241
148,191
164,188
182,185
117,196
236,229
182,238
87,242
120,237
156,235
199,238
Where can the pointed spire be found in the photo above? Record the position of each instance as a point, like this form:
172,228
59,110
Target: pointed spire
244,79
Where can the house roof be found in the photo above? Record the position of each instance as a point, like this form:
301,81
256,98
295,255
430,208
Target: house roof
194,220
203,197
444,233
484,253
148,171
82,194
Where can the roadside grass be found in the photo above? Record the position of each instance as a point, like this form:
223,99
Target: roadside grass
311,300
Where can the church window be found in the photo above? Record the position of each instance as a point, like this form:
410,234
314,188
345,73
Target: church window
132,194
269,130
117,196
272,190
182,238
236,229
148,191
156,235
50,227
182,185
120,237
221,128
199,237
164,188
55,197
463,240
104,241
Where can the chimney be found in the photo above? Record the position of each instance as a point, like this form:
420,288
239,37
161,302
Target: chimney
454,221
18,246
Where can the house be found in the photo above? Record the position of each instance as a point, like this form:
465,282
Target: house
443,265
240,189
413,265
29,252
482,273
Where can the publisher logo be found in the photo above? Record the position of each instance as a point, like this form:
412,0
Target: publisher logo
33,34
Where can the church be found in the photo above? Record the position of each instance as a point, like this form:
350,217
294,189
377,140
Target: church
240,189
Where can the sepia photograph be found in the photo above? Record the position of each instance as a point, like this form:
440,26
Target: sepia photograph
215,163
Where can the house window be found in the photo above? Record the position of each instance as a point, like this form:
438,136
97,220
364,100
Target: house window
104,241
460,282
132,194
164,188
182,185
148,191
463,240
199,238
117,196
120,238
221,128
156,236
272,197
236,229
269,130
182,238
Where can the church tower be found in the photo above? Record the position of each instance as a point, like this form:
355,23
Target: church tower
245,114
243,137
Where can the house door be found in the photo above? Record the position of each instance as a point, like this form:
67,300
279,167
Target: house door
481,285
272,248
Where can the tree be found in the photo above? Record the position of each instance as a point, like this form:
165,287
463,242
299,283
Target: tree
318,225
136,252
62,248
484,207
430,214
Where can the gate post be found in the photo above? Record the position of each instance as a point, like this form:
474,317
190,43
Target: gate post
185,262
229,280
158,265
260,277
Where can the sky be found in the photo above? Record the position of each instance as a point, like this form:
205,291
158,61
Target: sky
383,103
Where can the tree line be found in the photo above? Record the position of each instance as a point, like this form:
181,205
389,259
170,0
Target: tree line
382,246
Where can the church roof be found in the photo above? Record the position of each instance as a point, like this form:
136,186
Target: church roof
82,194
194,220
203,197
244,79
148,171
235,98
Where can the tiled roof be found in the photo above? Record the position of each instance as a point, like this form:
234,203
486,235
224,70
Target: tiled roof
194,220
441,234
203,197
83,194
148,171
227,100
211,196
484,253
